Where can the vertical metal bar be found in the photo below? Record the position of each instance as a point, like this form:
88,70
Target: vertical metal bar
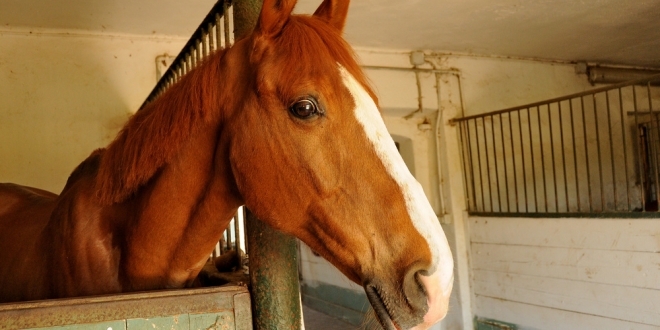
237,240
230,236
497,172
469,142
563,155
552,153
575,162
506,169
625,151
522,157
490,188
481,173
513,158
218,30
545,187
531,148
600,163
639,151
586,153
204,44
275,289
463,158
212,46
609,127
655,150
238,20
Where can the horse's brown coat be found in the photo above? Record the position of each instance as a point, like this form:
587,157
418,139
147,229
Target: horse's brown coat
145,212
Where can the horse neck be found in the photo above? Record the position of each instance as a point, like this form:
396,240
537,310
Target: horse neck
191,199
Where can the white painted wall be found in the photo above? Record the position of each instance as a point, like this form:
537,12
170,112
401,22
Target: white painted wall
64,94
567,273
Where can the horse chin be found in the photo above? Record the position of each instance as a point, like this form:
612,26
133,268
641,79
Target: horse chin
383,314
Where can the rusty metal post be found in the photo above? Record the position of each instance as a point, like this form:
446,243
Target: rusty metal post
275,288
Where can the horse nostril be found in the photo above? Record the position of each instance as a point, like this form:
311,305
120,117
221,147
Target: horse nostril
415,292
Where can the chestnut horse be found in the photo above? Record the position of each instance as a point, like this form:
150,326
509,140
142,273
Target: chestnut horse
283,122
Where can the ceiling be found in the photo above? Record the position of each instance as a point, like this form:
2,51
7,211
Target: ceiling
605,31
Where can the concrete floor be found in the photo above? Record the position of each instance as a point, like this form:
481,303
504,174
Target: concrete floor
315,320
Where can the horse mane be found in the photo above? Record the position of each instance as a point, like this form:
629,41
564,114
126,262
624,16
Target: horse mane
152,136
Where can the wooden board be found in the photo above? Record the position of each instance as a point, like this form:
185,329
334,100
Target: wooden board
208,308
567,273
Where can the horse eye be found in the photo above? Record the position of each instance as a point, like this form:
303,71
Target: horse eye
304,109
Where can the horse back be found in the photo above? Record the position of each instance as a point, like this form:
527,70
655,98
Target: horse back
24,214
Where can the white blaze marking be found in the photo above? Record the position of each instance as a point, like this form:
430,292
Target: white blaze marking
421,213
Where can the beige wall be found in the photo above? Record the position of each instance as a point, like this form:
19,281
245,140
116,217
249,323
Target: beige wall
66,94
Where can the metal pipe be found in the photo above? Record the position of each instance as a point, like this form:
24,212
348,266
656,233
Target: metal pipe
575,163
506,170
545,187
586,153
522,157
600,162
609,128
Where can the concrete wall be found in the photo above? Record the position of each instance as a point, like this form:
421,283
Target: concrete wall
65,94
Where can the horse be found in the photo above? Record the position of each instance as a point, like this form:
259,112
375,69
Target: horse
284,122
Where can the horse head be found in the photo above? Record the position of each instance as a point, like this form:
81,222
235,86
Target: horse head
318,163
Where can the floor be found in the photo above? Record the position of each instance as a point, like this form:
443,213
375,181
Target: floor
318,321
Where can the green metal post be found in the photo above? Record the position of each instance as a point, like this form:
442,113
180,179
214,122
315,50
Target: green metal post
275,289
273,277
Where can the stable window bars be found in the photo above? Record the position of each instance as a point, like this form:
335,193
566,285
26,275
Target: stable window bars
595,153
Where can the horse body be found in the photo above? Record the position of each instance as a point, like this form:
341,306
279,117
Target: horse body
276,123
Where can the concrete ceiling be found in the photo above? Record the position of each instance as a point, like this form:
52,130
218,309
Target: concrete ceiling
606,31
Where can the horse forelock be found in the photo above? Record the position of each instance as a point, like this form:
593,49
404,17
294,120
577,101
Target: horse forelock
154,135
314,41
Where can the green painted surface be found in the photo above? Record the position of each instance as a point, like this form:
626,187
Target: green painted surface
490,324
177,322
113,325
273,277
212,321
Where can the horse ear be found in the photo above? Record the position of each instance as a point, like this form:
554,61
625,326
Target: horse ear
334,12
274,14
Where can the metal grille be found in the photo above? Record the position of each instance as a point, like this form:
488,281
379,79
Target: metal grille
212,34
589,153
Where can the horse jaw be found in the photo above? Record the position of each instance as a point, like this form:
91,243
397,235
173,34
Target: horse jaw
438,279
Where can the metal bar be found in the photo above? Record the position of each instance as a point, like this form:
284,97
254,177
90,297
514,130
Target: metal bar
275,288
490,188
230,236
237,240
545,187
463,158
655,150
609,126
575,164
552,153
226,21
639,152
522,157
469,138
586,153
531,148
625,151
642,81
600,163
563,155
506,170
218,31
513,158
497,172
481,173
